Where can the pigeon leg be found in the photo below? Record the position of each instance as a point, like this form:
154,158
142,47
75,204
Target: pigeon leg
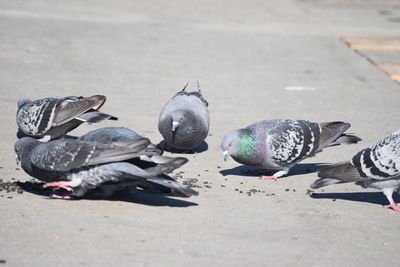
266,177
393,205
275,176
60,184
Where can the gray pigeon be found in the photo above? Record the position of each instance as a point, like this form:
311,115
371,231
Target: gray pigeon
377,166
184,121
278,145
53,117
80,166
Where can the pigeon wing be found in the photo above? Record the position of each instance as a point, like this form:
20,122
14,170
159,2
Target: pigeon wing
71,107
291,141
66,155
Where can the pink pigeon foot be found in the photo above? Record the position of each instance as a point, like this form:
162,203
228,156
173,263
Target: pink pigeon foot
55,196
393,205
60,184
272,177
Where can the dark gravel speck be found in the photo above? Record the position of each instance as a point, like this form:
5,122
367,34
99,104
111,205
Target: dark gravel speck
287,190
309,192
2,261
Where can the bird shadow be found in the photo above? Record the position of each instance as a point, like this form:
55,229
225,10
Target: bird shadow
369,197
202,147
133,196
299,169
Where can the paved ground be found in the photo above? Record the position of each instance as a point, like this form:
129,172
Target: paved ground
244,53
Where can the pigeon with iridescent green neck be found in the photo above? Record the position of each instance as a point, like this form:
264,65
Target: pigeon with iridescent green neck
377,166
278,145
184,121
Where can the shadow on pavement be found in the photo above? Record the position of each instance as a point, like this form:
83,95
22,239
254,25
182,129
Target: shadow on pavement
199,149
136,196
299,169
370,197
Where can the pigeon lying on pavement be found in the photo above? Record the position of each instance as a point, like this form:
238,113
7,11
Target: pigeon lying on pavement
377,166
52,117
79,166
278,145
184,121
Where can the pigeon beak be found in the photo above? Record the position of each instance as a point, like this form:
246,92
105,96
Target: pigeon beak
175,125
226,155
17,160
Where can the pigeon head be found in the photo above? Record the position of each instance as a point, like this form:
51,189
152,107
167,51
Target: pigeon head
23,148
240,144
183,120
23,102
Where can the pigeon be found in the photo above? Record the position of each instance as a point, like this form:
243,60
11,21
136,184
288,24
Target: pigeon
52,117
184,121
377,166
278,145
81,166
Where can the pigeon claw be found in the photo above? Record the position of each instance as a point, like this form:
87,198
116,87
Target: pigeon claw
61,184
266,177
393,205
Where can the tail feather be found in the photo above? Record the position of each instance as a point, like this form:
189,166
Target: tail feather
346,139
324,182
174,186
343,172
95,116
166,166
332,134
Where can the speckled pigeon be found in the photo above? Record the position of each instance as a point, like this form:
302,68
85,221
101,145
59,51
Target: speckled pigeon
53,117
184,121
278,145
80,166
377,166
